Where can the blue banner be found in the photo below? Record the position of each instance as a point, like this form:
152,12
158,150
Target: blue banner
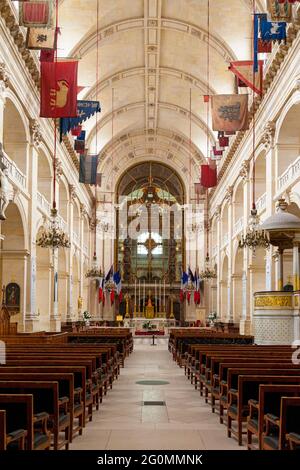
88,169
271,31
85,109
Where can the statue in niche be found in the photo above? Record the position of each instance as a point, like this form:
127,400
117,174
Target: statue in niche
12,294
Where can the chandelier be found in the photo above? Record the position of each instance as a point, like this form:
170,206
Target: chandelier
208,273
94,272
53,236
255,237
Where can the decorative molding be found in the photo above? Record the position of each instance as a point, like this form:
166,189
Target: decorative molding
4,75
72,191
269,134
58,168
245,169
35,132
229,194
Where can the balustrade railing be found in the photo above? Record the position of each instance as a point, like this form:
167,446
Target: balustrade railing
16,175
261,203
290,175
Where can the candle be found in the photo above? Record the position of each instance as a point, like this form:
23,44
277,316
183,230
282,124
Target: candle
135,296
164,295
160,297
155,298
144,304
139,296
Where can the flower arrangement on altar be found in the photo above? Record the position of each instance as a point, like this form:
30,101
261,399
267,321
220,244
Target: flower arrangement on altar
212,317
86,317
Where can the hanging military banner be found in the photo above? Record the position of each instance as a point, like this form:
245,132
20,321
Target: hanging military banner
271,31
243,69
230,112
41,38
36,14
59,89
88,169
280,10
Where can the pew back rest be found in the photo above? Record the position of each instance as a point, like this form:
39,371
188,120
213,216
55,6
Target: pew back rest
19,414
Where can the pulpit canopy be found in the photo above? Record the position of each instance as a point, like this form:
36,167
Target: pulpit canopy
282,227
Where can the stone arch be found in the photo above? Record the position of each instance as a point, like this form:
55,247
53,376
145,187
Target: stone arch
237,283
13,255
43,285
64,200
224,288
15,134
287,136
75,284
45,174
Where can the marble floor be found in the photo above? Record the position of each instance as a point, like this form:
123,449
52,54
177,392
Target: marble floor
123,423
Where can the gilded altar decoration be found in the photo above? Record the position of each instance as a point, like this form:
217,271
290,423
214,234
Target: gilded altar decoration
273,301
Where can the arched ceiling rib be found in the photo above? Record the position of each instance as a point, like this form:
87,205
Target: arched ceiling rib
152,52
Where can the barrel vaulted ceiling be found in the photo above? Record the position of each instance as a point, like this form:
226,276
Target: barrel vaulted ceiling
152,53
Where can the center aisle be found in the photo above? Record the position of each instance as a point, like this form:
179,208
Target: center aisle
124,423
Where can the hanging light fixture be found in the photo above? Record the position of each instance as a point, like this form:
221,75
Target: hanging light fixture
208,272
255,237
94,272
53,236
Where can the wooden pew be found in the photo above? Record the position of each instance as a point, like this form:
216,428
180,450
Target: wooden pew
19,416
86,381
229,372
270,393
279,427
65,386
77,400
241,390
45,399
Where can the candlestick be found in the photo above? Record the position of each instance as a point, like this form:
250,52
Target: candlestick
164,305
134,313
139,309
144,304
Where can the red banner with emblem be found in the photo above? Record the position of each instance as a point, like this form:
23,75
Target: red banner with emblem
59,89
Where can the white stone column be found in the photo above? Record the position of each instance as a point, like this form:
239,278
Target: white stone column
245,323
3,85
71,251
296,264
268,139
219,288
55,323
229,194
31,318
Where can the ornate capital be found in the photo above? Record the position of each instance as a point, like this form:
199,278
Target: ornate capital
244,172
269,134
83,209
35,132
218,212
93,223
58,168
4,75
229,194
72,191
